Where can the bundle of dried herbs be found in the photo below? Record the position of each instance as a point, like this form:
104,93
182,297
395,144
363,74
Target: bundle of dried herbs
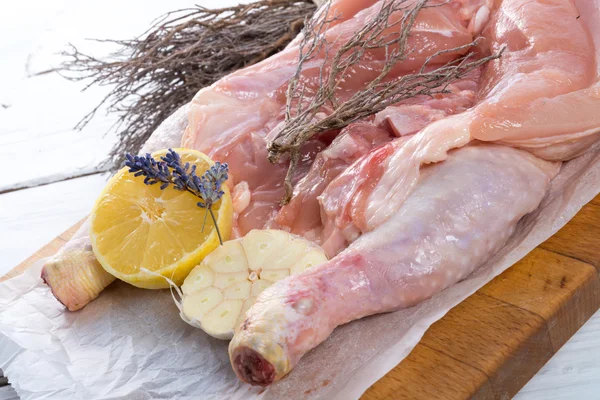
304,114
156,73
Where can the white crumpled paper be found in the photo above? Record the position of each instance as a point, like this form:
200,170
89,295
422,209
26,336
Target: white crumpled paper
131,344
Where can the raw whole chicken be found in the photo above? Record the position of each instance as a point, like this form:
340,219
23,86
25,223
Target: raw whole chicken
413,199
420,216
233,119
462,211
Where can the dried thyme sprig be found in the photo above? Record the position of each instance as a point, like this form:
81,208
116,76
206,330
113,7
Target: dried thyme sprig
171,171
305,107
154,74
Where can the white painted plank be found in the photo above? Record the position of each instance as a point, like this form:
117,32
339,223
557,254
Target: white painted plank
30,218
573,372
37,138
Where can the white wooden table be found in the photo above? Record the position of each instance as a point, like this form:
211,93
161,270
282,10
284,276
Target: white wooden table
48,171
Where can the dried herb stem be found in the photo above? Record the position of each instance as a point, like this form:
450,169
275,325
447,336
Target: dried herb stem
152,75
212,215
305,117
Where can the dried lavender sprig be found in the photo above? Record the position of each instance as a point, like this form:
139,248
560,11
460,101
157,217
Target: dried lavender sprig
171,171
152,170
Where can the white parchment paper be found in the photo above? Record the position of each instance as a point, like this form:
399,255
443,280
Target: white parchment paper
131,344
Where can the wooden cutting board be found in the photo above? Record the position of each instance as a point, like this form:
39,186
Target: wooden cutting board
492,343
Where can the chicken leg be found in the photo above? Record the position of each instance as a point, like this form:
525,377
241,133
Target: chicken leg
460,213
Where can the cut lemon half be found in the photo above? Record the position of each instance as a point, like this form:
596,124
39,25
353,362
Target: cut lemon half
141,232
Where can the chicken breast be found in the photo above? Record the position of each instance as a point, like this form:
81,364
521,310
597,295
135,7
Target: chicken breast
233,120
539,96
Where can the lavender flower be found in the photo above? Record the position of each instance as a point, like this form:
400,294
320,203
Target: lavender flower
171,171
210,184
147,166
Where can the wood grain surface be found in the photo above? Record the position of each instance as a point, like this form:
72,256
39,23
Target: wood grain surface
491,344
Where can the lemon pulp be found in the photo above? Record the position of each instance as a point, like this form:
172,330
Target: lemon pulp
137,227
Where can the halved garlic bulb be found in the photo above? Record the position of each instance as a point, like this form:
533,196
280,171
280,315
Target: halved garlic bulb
218,292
